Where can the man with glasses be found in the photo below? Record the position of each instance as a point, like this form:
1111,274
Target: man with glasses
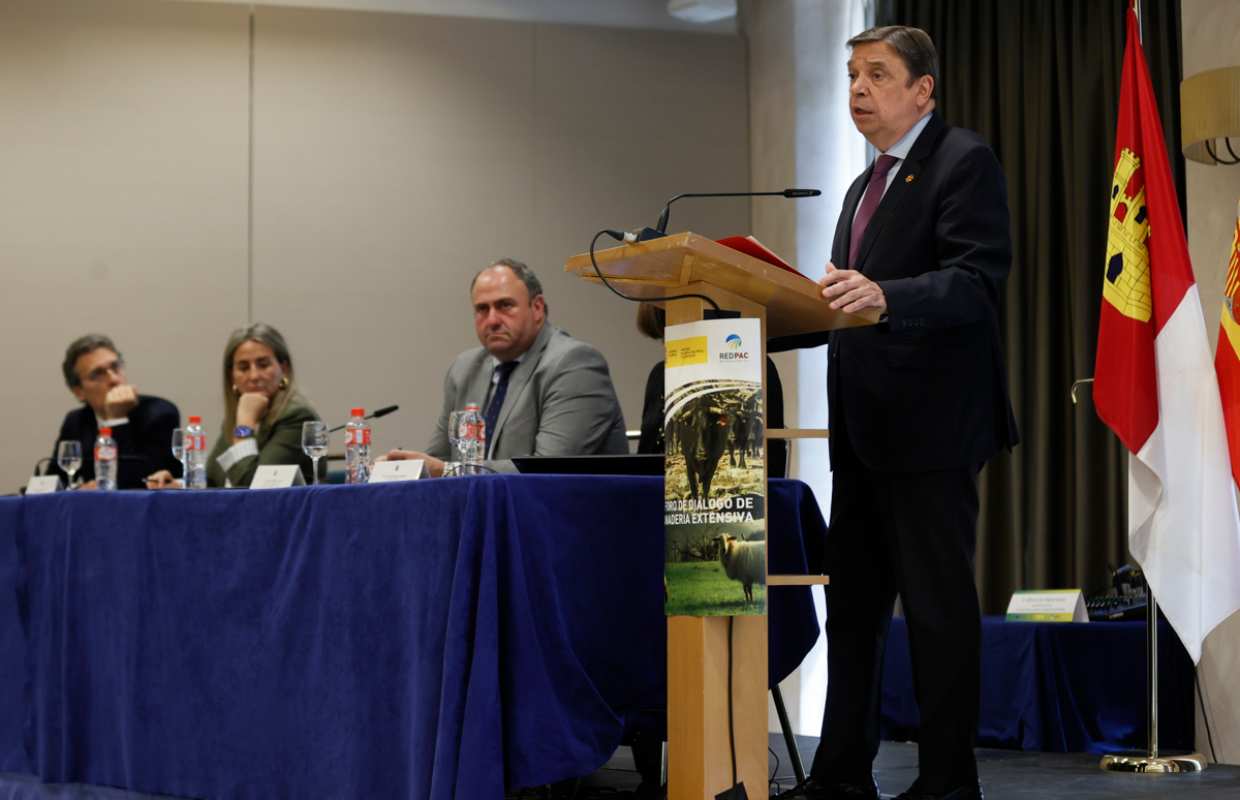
142,425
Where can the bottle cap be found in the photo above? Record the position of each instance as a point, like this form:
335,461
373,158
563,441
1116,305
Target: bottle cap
358,412
195,420
105,431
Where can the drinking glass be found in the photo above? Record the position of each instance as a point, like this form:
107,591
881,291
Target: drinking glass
454,434
314,439
69,458
178,452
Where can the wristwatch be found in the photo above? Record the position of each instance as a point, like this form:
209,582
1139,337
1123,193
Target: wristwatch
243,432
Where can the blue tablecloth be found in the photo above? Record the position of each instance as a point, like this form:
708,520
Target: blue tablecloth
1058,687
425,640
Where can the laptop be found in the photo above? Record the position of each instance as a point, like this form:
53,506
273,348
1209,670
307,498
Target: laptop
630,464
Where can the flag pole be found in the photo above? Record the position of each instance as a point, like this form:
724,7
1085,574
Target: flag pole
1151,762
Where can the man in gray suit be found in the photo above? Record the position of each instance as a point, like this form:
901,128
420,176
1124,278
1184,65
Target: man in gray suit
541,391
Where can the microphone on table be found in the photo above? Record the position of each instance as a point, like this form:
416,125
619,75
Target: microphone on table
38,464
660,230
382,412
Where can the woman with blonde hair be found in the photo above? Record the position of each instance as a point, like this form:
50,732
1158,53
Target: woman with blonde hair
263,411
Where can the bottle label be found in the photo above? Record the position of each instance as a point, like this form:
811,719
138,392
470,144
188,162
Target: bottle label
104,452
195,442
357,437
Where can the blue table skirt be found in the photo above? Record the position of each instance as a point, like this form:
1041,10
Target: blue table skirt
434,639
1058,687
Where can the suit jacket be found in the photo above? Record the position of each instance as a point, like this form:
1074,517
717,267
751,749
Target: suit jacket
278,442
144,443
560,401
927,388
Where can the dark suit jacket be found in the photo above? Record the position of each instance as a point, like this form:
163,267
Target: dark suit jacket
927,389
144,443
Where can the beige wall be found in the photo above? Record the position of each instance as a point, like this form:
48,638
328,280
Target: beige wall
1211,30
393,156
122,201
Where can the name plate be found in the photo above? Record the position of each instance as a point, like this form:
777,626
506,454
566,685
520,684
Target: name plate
277,476
388,471
43,484
1049,605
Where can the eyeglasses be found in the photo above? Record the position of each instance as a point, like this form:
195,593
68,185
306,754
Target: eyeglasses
101,372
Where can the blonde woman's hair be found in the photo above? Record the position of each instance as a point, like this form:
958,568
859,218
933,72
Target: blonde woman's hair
263,334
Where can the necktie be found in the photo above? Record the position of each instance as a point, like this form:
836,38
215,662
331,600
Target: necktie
504,371
869,204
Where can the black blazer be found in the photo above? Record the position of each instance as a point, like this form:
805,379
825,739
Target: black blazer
144,443
927,388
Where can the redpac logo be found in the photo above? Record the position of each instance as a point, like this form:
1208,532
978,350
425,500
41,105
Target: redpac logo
732,349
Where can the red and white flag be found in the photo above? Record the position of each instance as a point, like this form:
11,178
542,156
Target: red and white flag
1155,384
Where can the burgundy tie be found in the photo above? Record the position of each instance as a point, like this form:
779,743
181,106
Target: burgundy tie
869,204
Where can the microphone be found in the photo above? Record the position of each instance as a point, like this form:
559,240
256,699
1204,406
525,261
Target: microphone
382,412
660,227
38,465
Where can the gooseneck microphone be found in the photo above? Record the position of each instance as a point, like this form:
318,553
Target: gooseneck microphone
660,227
382,412
660,230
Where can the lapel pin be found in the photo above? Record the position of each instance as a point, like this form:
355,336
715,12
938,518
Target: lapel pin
910,178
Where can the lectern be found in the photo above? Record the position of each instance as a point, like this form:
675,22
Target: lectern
699,752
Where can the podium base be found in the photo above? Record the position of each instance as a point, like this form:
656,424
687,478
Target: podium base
1152,765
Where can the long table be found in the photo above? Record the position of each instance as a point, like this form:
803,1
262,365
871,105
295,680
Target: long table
1058,687
435,639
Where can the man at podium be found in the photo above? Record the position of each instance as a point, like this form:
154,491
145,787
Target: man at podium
918,403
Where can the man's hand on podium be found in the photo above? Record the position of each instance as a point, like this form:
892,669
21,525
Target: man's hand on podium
849,291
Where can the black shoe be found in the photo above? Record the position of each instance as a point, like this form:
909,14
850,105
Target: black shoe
813,789
970,791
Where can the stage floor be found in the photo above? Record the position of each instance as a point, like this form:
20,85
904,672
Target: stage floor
1006,775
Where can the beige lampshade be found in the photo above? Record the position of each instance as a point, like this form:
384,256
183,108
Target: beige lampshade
1209,114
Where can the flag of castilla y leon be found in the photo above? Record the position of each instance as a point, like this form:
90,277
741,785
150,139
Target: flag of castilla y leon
1155,385
1227,353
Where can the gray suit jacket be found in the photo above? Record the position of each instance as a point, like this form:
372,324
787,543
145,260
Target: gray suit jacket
560,401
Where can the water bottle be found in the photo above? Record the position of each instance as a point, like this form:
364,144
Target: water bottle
105,460
473,439
195,455
357,447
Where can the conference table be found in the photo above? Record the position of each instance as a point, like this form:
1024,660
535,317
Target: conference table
431,639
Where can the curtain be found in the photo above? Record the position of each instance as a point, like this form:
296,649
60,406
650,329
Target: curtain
1039,79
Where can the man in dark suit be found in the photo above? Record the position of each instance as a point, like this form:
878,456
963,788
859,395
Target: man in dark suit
918,403
142,425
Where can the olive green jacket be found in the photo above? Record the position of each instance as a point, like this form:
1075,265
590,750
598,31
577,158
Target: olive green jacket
278,443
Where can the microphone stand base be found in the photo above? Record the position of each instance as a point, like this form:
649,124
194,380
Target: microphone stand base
1152,765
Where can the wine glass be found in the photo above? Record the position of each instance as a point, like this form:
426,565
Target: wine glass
178,450
69,458
314,439
453,465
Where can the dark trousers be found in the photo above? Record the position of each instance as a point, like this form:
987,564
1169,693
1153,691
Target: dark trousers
911,534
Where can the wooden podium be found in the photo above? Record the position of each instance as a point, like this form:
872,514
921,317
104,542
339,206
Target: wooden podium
699,752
